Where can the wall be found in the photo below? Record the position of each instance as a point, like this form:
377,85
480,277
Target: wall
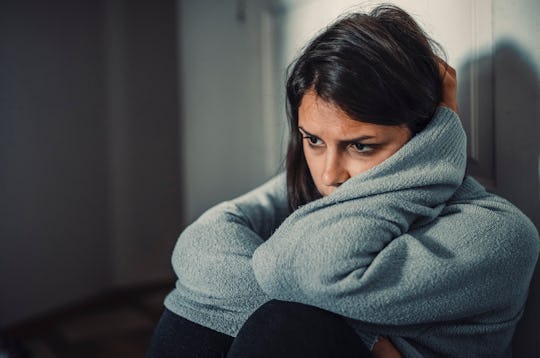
89,160
143,138
221,100
53,217
517,132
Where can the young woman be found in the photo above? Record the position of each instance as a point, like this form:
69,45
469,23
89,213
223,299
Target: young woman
374,242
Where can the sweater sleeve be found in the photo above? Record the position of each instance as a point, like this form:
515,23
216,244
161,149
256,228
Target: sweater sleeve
330,255
383,268
212,258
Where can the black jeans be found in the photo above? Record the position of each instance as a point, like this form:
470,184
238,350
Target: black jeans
276,329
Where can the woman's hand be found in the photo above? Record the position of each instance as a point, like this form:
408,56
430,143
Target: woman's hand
449,86
385,349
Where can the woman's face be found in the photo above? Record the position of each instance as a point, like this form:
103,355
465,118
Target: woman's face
338,147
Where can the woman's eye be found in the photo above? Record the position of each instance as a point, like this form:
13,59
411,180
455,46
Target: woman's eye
314,141
362,148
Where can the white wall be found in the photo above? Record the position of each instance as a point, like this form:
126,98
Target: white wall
458,25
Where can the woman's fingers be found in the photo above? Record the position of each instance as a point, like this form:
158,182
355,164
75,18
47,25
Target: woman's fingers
385,349
449,86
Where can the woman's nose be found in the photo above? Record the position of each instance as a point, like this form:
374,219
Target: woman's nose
334,173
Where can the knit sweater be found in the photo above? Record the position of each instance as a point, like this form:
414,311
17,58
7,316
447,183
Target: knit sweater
411,249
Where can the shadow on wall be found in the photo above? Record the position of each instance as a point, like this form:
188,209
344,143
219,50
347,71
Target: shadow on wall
508,148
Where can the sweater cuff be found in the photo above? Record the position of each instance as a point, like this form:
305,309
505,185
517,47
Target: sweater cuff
369,339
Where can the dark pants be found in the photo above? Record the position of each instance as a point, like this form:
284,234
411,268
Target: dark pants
276,329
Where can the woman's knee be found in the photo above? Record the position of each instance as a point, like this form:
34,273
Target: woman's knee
175,336
292,314
290,329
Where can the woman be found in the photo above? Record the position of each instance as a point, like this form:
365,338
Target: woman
374,242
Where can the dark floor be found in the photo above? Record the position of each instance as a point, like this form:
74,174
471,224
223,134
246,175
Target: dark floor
118,324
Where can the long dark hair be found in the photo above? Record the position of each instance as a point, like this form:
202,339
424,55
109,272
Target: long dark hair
378,67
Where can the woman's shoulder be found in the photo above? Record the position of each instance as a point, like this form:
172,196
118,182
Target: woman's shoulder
474,209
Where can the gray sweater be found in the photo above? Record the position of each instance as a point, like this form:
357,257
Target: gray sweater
411,249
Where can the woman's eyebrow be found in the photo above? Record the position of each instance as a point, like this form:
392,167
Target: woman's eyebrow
351,140
306,132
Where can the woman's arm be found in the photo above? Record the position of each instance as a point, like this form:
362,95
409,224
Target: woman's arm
212,254
476,256
212,258
329,253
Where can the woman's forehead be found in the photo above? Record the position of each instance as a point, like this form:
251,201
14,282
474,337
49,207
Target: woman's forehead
320,117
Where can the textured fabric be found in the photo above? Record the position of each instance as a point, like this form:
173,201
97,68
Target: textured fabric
411,249
212,259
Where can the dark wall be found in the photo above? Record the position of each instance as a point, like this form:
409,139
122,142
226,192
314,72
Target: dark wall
89,168
53,155
143,137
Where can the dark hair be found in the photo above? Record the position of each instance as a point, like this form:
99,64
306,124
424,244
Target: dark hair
378,68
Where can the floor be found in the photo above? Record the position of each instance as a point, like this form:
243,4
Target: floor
116,325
